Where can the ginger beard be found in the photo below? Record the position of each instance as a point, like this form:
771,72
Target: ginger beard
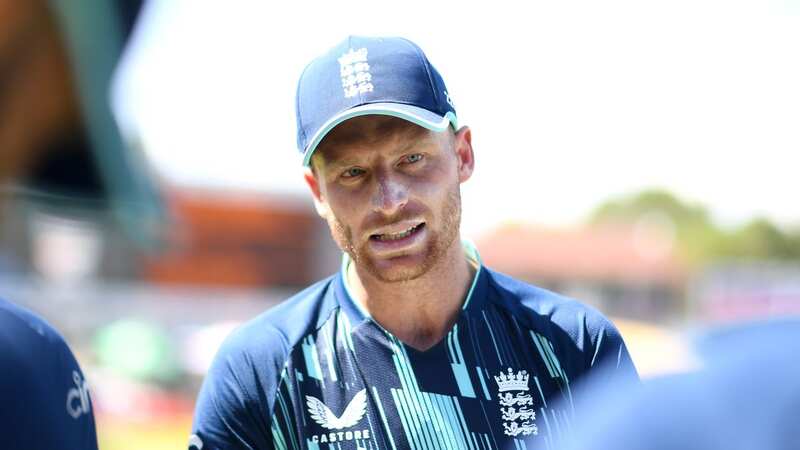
438,241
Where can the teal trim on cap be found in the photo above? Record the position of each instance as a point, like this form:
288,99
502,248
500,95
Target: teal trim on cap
407,112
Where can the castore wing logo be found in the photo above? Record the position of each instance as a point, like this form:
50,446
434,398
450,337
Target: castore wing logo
327,419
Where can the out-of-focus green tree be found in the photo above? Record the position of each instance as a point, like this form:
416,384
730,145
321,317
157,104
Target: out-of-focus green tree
699,240
761,239
695,234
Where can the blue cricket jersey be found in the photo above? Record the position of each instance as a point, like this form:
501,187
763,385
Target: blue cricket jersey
316,372
44,398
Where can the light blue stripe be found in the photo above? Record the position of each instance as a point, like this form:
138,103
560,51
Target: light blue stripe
473,441
447,430
418,414
554,358
457,344
383,416
331,367
597,347
436,419
567,422
542,354
558,426
347,330
547,351
310,356
331,353
569,391
345,265
298,378
461,417
483,383
438,422
452,419
491,333
293,439
277,437
450,414
411,434
472,253
547,422
415,403
433,413
483,410
539,386
488,444
370,419
420,409
311,445
413,419
450,348
462,378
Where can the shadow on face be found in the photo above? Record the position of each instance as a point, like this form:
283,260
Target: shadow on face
367,131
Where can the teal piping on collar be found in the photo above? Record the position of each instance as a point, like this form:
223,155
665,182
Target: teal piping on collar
469,249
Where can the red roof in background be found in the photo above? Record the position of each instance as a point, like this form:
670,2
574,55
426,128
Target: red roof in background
591,253
237,238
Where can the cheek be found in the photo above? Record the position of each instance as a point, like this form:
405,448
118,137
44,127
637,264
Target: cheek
434,187
344,206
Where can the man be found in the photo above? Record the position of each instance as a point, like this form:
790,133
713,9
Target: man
414,344
45,397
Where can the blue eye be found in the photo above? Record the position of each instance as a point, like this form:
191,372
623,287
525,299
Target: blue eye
353,172
416,157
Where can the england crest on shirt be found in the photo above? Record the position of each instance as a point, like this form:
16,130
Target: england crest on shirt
516,405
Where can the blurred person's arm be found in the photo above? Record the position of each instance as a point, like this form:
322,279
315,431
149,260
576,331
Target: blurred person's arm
45,397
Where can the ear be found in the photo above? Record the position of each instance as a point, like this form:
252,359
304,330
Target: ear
319,201
463,149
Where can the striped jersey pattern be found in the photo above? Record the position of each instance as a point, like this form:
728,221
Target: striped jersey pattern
316,372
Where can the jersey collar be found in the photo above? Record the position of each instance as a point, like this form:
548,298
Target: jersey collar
357,313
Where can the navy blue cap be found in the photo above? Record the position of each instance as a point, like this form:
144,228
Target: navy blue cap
367,75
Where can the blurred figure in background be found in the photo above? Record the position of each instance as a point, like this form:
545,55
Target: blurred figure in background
744,396
45,403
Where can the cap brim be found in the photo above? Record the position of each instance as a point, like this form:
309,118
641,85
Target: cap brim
414,114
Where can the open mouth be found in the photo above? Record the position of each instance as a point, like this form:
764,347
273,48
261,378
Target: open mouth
388,237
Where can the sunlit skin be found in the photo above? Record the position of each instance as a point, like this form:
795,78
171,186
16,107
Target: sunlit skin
390,192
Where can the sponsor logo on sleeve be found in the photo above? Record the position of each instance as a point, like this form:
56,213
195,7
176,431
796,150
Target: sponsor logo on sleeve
78,397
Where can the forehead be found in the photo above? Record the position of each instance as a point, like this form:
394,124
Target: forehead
370,131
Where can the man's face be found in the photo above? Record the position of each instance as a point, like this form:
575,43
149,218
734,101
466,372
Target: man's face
389,191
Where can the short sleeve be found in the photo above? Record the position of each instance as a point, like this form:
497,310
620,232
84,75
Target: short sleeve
609,355
233,409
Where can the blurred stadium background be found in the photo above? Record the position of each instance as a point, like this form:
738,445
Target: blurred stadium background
145,274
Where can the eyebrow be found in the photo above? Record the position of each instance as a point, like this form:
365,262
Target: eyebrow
350,161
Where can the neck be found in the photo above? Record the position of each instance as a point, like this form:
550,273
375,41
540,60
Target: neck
422,311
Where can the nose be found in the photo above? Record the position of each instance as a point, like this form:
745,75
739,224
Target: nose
390,196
